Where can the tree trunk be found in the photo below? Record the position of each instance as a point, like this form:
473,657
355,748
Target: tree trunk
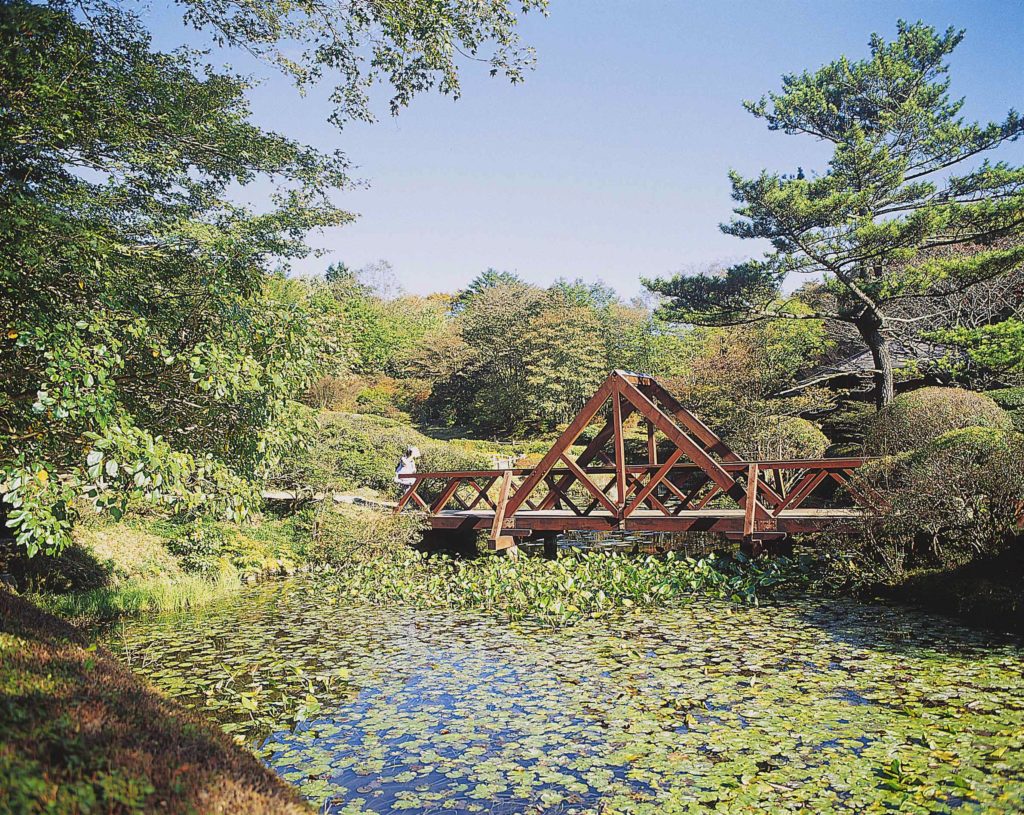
870,328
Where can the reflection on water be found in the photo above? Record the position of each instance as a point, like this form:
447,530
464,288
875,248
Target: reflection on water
809,706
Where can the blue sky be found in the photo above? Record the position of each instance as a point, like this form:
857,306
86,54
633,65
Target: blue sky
610,161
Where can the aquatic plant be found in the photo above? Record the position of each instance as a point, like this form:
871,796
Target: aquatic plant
559,592
808,705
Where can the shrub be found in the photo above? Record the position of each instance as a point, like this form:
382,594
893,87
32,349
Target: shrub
198,546
781,437
332,393
1012,401
915,419
956,498
338,535
354,450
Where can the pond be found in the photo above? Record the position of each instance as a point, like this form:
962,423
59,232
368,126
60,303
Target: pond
809,705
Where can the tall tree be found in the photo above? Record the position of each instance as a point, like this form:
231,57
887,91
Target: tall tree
564,362
902,181
148,347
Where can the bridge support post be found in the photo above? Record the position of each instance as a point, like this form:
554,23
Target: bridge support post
779,546
550,546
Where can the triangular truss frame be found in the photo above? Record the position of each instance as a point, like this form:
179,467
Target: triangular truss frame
700,468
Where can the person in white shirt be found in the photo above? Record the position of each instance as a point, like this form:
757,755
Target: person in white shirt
406,467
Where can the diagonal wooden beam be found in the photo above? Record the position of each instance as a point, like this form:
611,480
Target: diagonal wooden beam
562,445
651,485
584,479
482,492
712,441
563,494
801,490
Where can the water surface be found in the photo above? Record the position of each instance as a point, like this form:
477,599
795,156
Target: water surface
805,706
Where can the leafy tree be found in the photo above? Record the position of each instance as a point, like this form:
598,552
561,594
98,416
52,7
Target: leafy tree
564,362
147,349
730,375
496,326
485,280
899,184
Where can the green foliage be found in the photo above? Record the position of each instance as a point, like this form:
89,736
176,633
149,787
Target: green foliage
348,451
894,191
731,376
410,48
998,347
146,349
340,536
564,363
781,437
956,498
517,359
563,591
915,419
1012,401
197,546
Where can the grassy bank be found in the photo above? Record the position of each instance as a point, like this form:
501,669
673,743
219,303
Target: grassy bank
150,564
80,733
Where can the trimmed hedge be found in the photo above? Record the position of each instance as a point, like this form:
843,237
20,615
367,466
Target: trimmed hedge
915,419
1012,401
782,437
954,499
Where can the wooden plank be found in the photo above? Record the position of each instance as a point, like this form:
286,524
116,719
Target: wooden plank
619,446
502,542
502,505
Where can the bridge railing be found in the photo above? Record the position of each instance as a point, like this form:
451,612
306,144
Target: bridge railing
669,489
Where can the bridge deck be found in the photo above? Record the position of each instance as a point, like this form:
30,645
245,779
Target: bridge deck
641,520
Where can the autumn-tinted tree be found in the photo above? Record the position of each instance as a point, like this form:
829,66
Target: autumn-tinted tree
564,362
903,179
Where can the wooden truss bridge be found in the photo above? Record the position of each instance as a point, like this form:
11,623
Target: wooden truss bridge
688,479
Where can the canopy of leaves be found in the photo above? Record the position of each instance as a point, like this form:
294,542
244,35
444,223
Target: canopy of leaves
145,349
410,46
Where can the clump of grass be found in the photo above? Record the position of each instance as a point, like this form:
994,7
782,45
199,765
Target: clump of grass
560,592
110,602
